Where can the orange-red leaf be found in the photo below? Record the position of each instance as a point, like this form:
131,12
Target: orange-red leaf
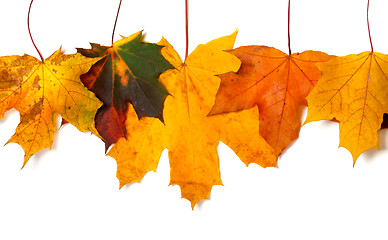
275,82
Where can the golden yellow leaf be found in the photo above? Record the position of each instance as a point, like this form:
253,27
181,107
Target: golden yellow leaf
189,135
40,91
353,90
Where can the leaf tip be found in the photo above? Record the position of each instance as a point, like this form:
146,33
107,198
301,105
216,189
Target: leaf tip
25,161
107,146
192,206
121,185
214,111
162,120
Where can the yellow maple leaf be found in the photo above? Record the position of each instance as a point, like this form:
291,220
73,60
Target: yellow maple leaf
189,135
40,91
140,151
353,90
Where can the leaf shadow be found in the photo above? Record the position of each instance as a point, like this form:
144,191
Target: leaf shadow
9,121
371,154
129,186
200,204
302,113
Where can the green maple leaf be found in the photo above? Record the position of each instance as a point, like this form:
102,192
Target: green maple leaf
128,72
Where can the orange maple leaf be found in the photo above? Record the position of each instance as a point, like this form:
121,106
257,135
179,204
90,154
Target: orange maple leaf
189,135
275,82
42,90
353,90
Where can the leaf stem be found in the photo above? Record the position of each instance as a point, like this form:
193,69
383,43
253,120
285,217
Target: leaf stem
29,31
289,38
367,20
114,26
187,29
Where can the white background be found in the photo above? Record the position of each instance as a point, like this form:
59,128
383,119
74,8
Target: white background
71,192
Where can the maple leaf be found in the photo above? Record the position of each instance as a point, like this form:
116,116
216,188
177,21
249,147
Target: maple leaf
189,135
139,153
40,91
275,82
128,71
352,90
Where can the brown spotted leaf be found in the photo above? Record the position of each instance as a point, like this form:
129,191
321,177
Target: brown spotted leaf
42,90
